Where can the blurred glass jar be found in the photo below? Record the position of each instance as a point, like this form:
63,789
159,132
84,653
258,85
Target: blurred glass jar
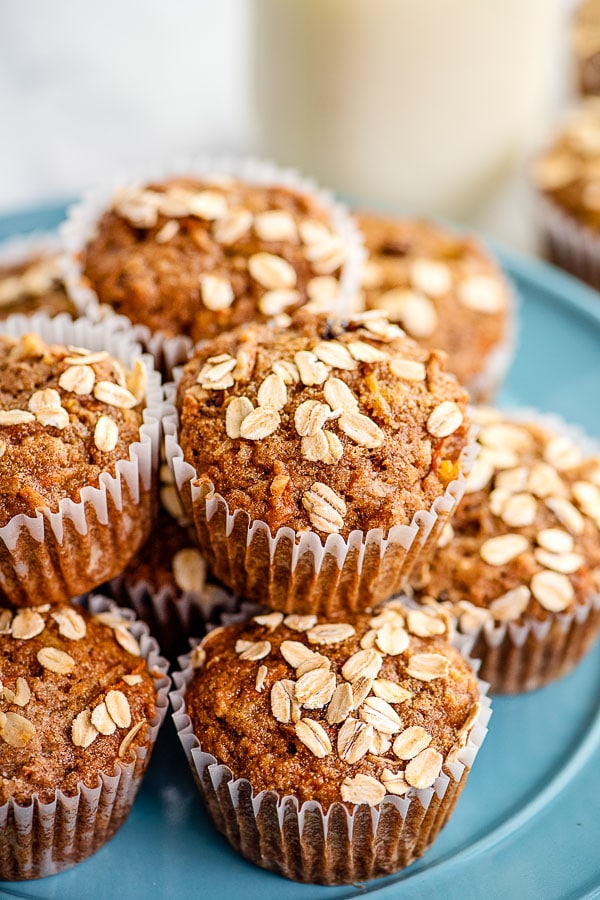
418,104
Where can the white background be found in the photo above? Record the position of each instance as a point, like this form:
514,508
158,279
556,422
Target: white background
89,89
90,86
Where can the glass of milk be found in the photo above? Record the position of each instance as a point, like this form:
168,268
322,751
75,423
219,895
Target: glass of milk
420,105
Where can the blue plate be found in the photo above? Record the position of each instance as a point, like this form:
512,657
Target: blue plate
527,824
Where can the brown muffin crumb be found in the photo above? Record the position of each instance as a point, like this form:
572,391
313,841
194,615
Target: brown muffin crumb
324,425
75,696
524,540
332,710
198,257
442,288
66,415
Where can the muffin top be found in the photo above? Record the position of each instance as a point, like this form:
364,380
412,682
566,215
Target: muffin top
75,697
33,285
569,170
524,540
197,257
442,288
67,414
326,425
332,711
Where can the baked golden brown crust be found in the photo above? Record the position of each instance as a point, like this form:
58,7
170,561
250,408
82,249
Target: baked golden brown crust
524,540
281,705
329,446
66,416
63,673
442,288
34,285
199,257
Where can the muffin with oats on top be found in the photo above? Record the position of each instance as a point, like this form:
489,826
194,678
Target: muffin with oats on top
318,460
79,448
82,698
567,178
331,717
446,292
200,252
520,563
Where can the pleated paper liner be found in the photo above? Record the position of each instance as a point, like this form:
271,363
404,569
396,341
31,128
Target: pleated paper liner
59,555
348,843
297,572
172,615
530,653
517,658
171,351
42,839
568,243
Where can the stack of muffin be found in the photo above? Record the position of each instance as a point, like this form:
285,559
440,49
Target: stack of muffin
316,450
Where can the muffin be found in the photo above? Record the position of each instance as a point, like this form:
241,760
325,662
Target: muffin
586,46
303,733
567,177
83,695
168,585
317,460
79,434
31,279
446,292
201,254
520,564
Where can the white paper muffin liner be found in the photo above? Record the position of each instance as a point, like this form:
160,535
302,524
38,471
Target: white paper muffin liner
569,244
529,653
172,615
42,839
348,843
58,555
171,351
297,572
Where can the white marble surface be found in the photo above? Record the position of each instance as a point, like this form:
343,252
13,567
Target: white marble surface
88,88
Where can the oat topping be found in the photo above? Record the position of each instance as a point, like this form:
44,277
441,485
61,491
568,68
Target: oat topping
363,789
525,539
330,634
56,661
27,624
192,257
15,729
63,403
309,397
354,740
442,288
325,508
258,650
423,769
411,742
371,711
189,570
51,680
